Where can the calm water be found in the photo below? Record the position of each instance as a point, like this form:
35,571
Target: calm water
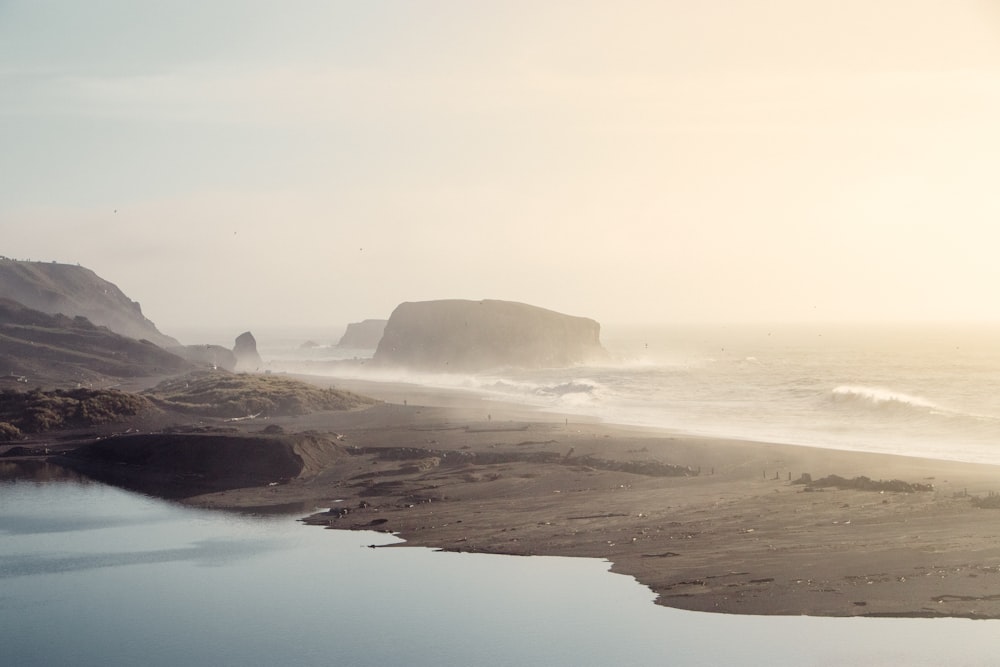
92,575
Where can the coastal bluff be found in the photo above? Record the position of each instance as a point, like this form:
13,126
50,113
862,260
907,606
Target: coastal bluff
363,335
56,350
455,335
75,291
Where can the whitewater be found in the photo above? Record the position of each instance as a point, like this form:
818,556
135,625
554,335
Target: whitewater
927,391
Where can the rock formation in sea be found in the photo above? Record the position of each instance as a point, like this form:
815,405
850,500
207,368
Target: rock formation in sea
463,336
74,291
364,335
245,350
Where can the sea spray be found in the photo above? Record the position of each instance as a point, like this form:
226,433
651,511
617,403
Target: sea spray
920,392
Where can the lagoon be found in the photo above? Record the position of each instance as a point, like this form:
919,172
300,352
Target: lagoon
94,575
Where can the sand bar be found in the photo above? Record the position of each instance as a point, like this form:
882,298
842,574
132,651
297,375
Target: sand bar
708,524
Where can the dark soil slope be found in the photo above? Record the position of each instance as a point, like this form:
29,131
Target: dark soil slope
178,465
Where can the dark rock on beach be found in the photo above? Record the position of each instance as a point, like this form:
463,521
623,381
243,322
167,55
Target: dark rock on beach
863,483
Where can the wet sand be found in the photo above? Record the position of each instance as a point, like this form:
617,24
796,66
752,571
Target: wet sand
708,524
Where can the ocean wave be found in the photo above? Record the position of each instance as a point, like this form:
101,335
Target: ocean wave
572,390
877,396
566,388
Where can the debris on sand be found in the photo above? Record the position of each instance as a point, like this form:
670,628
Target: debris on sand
862,484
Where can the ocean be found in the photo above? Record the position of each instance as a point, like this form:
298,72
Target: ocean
922,390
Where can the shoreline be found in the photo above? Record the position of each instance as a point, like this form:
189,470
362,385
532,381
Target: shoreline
708,524
734,535
393,391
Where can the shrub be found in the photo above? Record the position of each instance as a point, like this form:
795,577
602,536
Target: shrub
9,432
36,411
222,394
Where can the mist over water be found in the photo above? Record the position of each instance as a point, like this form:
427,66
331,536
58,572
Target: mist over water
929,391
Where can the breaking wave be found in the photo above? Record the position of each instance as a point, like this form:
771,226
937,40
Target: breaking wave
811,391
566,388
878,397
572,391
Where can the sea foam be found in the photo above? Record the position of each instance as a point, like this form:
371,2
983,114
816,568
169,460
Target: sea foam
879,396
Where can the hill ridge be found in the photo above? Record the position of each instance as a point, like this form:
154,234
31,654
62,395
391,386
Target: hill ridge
74,290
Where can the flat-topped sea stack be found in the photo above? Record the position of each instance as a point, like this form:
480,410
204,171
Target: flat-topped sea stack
465,336
364,335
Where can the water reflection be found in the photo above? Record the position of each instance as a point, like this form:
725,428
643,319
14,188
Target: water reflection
36,470
110,577
28,524
203,552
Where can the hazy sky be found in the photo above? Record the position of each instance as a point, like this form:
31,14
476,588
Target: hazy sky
246,163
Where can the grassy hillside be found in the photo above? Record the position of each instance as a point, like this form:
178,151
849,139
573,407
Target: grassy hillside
204,394
227,395
61,350
38,411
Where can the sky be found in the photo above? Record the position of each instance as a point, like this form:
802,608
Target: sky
244,163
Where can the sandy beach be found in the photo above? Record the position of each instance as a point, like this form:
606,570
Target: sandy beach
708,524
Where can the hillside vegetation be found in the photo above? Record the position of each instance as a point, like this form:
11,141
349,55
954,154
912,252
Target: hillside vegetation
57,349
228,395
38,411
204,394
